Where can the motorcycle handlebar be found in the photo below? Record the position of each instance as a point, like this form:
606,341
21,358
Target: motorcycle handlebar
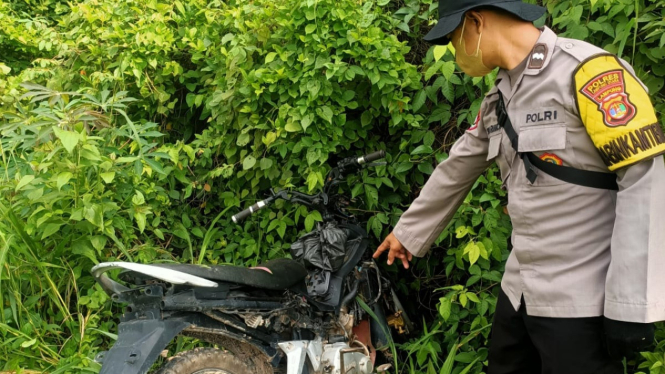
371,157
249,211
366,159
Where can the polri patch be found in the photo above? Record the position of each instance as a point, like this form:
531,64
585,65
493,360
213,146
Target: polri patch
542,115
608,90
538,56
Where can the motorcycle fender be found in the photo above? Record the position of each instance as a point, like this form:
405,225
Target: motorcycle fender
139,344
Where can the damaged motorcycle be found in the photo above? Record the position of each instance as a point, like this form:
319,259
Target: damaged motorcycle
326,311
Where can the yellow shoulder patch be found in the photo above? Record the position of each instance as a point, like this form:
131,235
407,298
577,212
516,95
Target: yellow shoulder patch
616,112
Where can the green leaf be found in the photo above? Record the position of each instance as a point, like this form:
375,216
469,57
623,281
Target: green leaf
4,69
138,198
376,226
439,51
422,149
461,232
474,252
24,182
293,127
270,57
305,122
181,8
372,195
154,165
273,225
310,28
429,138
403,166
426,168
419,100
29,343
366,118
348,95
140,220
98,242
463,299
196,231
448,69
485,197
265,163
281,229
433,70
108,176
249,162
82,247
444,308
312,181
69,139
448,92
357,189
312,218
50,229
94,215
483,251
325,112
472,296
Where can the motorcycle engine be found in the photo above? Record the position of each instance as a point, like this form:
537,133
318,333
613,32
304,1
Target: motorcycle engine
326,358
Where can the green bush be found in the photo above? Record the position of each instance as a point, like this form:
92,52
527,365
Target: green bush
132,131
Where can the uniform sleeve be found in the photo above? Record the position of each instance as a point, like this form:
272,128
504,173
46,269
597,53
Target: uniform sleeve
635,285
617,112
444,191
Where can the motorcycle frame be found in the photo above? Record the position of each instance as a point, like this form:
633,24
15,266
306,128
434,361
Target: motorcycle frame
152,320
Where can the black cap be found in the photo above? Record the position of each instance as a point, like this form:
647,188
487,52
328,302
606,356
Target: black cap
452,11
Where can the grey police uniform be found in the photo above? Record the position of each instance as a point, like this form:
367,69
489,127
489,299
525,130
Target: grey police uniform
577,251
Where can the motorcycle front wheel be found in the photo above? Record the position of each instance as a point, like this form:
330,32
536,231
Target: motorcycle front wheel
205,361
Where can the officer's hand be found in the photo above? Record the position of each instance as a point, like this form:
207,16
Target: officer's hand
624,339
397,250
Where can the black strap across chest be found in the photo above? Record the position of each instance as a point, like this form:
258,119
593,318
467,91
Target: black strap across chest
587,178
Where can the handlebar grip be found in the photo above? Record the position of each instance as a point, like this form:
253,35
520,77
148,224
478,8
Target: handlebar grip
248,212
371,157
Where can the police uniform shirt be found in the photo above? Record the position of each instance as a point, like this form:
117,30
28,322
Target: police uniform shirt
577,251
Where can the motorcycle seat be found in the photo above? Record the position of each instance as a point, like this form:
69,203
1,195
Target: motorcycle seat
278,274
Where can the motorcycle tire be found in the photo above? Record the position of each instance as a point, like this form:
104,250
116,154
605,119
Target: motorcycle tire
205,361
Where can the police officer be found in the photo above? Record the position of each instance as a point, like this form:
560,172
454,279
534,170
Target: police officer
580,149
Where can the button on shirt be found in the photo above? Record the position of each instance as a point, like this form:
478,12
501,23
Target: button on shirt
577,251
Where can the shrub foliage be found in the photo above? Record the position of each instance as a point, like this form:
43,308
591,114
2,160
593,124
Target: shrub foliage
132,130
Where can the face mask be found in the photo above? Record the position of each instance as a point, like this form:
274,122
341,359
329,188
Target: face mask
470,64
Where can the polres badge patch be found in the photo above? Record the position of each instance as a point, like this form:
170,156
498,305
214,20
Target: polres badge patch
608,90
617,112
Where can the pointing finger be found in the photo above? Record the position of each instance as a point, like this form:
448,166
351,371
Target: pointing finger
385,245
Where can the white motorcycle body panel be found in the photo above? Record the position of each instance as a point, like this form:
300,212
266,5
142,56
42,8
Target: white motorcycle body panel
323,356
167,275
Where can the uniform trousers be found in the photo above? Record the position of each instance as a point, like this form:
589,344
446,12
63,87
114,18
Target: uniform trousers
522,344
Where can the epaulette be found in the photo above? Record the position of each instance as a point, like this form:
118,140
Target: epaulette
580,50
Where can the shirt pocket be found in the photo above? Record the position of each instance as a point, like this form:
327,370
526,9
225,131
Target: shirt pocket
551,137
543,141
497,153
